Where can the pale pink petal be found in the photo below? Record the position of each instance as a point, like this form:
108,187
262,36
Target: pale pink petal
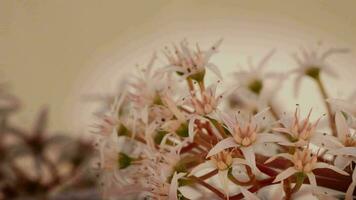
348,151
173,188
174,109
222,174
239,161
266,138
342,162
203,166
350,190
285,174
283,130
223,144
341,126
329,71
258,118
283,155
312,179
297,84
319,165
265,59
250,158
213,49
343,105
278,193
215,70
191,132
248,195
325,141
228,120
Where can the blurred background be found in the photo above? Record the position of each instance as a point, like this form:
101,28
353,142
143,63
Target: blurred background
56,52
64,54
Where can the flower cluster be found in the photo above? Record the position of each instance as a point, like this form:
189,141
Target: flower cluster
169,136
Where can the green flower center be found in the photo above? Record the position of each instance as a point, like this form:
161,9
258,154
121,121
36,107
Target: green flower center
256,86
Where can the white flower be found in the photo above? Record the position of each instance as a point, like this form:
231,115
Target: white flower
304,163
311,63
207,102
221,161
158,173
190,63
301,131
254,93
147,85
245,135
115,167
345,150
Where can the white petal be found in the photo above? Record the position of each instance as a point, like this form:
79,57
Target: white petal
297,84
267,137
312,179
174,109
342,162
260,115
224,181
350,190
173,188
191,132
248,195
205,165
341,126
285,174
327,69
228,120
325,141
223,144
283,130
283,155
265,59
215,70
324,165
250,158
349,151
239,161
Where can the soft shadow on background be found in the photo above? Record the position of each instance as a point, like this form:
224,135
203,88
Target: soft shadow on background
56,52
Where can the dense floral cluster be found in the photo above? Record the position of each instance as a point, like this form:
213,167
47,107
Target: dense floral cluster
169,136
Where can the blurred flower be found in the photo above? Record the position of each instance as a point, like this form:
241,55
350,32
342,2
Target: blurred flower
311,63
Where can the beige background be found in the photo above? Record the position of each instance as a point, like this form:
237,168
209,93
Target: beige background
54,51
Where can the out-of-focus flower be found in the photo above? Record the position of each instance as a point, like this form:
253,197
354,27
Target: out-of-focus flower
254,92
190,63
8,102
311,63
147,84
245,134
304,163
